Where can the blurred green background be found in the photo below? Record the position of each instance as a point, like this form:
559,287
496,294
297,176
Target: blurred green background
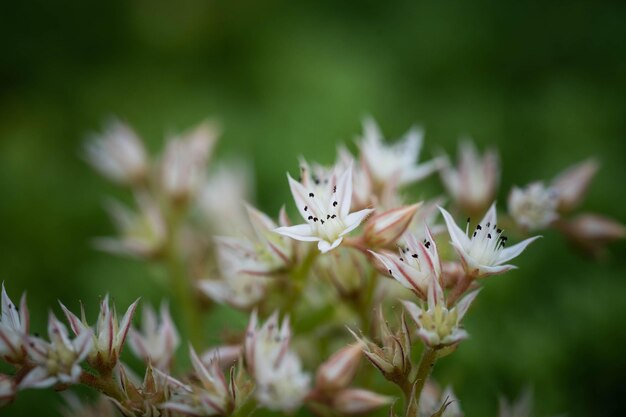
544,82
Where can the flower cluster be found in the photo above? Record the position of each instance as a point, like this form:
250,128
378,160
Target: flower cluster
364,256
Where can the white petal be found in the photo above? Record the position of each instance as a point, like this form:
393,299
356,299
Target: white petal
300,196
324,246
414,311
125,324
303,232
490,217
344,192
457,235
465,303
353,220
509,253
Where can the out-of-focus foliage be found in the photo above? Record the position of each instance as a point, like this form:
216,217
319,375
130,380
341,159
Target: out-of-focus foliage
544,82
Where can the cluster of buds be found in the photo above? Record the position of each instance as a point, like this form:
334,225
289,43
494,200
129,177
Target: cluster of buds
539,206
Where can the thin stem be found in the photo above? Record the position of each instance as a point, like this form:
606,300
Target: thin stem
103,383
426,365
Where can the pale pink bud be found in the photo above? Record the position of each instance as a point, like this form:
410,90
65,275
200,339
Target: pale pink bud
384,229
571,185
338,371
592,231
359,401
7,389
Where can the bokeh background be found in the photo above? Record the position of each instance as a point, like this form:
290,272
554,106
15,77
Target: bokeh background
545,82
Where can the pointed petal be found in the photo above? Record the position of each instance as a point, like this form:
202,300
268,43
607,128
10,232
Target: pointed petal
509,253
301,197
325,246
125,325
465,303
344,192
303,232
353,220
414,311
76,325
491,216
457,235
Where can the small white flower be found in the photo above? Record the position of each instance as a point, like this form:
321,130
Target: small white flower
438,325
156,342
109,335
14,325
184,160
118,154
142,233
484,252
533,207
212,396
327,212
57,361
393,165
416,265
474,182
280,382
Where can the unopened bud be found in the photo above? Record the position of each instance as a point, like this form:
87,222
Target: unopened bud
592,232
359,401
7,390
226,355
384,229
571,185
338,371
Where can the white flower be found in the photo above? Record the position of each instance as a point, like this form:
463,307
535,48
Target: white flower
184,160
533,207
416,265
142,233
362,195
57,361
484,252
118,154
474,182
109,334
393,165
157,341
14,326
280,382
438,325
327,212
221,194
212,396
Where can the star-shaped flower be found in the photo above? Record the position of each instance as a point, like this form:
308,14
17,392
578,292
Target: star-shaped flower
483,253
326,209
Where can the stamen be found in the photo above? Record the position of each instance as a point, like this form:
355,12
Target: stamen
306,208
311,195
335,204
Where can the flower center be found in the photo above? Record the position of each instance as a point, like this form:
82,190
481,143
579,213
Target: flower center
486,243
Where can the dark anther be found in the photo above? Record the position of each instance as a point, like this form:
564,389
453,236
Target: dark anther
390,273
427,245
327,216
322,221
334,204
333,216
310,217
334,188
474,235
414,255
401,259
488,224
468,219
311,195
488,235
479,227
315,219
499,230
306,208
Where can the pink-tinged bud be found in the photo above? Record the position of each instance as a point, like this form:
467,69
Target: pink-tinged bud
359,401
451,273
226,355
384,229
571,185
338,371
592,232
7,390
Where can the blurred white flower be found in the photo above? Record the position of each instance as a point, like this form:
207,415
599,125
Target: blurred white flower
437,325
393,165
483,253
141,234
118,154
533,207
416,265
338,371
212,396
280,382
14,326
157,341
434,401
327,213
222,194
359,401
473,183
226,355
57,361
109,334
184,161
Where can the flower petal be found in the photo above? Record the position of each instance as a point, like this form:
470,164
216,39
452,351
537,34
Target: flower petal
353,220
509,253
303,232
456,234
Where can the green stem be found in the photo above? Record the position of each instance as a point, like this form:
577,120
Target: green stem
298,279
103,383
425,367
180,282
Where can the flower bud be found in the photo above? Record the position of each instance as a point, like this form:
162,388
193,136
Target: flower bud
533,207
338,371
384,229
226,355
592,232
571,185
7,390
359,401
